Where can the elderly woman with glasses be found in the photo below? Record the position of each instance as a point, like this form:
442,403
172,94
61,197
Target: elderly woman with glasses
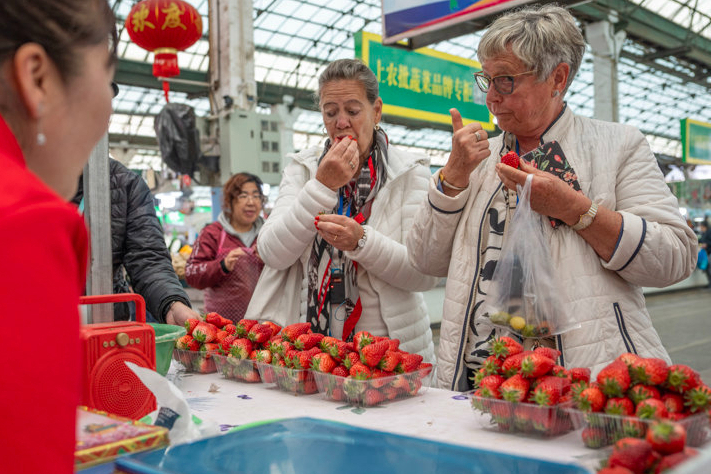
612,224
224,261
337,231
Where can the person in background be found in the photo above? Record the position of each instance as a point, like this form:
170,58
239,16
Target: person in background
224,261
612,223
138,247
705,244
341,219
57,60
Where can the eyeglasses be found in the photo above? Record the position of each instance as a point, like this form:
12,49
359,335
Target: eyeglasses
502,84
243,197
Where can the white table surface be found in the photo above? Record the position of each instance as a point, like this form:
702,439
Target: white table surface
434,414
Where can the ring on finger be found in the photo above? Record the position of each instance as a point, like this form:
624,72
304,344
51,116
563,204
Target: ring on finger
477,136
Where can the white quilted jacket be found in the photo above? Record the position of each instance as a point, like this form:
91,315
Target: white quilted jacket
388,284
617,169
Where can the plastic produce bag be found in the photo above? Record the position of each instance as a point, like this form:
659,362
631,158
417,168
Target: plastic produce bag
173,410
178,138
525,295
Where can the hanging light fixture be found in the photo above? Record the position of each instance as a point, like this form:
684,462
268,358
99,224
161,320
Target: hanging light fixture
164,27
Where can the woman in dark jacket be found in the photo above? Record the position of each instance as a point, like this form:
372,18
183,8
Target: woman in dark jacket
138,246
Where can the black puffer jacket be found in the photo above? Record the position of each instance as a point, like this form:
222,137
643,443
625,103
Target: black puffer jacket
138,245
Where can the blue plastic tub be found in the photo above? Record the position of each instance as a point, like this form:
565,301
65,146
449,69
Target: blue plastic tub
306,445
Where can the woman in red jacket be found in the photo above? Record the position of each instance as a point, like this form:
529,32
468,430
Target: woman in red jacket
56,67
224,260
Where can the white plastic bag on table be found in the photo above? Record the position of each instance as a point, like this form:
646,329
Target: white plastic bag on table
172,408
525,294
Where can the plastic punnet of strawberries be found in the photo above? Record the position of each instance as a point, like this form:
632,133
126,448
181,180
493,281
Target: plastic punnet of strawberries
632,392
524,391
662,449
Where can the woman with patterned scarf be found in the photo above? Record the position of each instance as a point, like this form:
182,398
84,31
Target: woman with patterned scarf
341,218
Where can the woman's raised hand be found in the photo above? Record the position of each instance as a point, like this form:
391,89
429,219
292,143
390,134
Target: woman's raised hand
340,164
470,146
340,231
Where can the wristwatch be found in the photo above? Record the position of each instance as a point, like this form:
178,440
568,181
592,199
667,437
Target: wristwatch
587,218
361,241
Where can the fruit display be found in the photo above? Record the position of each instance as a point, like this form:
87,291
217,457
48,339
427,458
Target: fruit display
289,379
630,394
195,361
524,391
241,370
661,450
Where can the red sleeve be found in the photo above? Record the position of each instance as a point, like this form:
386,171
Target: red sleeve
43,256
203,270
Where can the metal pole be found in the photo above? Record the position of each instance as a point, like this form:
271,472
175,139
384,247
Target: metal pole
97,213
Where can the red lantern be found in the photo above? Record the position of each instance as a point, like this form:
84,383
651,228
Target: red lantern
164,27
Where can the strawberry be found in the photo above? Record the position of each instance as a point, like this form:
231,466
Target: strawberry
666,437
628,358
360,371
204,365
594,437
548,391
674,402
580,373
698,398
373,397
591,399
394,344
409,362
204,332
351,359
302,360
304,342
613,470
424,370
512,364
511,159
226,343
492,365
259,333
560,371
651,408
275,327
489,386
371,354
229,328
503,347
323,363
216,320
682,378
576,389
362,339
390,360
548,352
244,325
190,324
241,348
649,371
251,376
329,345
614,379
668,462
621,406
634,454
221,335
264,356
183,342
291,332
536,365
340,371
478,376
640,392
515,388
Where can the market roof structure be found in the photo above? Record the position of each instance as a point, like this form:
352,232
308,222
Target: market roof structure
664,69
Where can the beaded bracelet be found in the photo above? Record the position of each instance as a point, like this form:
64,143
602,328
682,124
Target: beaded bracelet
449,185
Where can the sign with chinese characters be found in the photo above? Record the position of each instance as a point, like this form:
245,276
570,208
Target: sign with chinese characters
695,142
424,84
410,18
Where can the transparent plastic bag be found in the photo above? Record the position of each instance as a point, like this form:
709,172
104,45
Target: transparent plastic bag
525,295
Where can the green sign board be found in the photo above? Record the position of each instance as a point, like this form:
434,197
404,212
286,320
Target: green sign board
696,142
424,84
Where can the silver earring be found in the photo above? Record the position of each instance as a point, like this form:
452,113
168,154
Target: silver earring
556,93
41,138
377,126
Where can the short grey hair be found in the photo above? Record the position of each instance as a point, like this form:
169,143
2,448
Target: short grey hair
349,70
540,36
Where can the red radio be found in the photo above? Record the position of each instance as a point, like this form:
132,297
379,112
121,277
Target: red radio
107,383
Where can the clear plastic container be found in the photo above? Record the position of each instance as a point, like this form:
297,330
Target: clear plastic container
241,370
600,429
195,361
297,381
372,392
524,418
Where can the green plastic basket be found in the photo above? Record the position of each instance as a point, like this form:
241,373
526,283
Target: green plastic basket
166,335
